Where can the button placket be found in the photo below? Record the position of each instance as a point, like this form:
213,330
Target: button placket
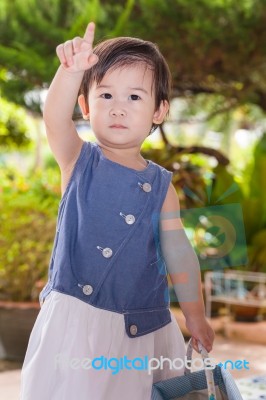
106,252
129,218
146,187
87,289
133,329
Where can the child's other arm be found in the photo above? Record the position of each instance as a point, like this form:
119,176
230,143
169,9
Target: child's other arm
75,57
183,267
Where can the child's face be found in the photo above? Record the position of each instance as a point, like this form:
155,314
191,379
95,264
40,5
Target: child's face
122,107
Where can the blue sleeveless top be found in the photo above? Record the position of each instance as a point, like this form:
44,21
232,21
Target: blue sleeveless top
106,249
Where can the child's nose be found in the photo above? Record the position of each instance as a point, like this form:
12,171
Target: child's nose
117,111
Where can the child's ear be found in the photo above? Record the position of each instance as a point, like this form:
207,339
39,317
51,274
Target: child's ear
161,112
84,107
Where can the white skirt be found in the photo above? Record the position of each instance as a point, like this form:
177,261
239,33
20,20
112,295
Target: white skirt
77,351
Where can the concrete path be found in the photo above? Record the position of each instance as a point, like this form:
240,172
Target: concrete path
9,385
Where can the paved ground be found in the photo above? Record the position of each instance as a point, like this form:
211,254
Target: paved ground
224,349
9,385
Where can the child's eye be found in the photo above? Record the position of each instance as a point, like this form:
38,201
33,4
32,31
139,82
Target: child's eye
134,97
106,96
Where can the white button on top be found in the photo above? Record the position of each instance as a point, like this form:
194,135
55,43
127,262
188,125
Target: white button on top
133,329
130,219
87,289
146,187
107,252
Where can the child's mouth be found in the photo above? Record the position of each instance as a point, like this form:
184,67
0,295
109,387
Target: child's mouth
118,126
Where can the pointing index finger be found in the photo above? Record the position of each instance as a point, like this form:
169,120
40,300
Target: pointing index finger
89,33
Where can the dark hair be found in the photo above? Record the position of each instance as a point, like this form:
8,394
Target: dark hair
124,51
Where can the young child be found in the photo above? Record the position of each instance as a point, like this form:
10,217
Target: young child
105,309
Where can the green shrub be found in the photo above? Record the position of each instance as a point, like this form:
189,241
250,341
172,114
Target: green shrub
28,208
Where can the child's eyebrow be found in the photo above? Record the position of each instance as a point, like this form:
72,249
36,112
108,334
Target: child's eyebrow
138,88
103,87
131,88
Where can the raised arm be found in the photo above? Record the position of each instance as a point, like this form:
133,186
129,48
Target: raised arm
75,57
184,270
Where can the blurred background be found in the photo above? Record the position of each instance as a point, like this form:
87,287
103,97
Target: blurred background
214,141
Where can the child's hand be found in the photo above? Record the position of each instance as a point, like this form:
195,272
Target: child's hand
201,330
77,54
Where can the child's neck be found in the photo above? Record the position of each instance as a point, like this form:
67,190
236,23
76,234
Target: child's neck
130,158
